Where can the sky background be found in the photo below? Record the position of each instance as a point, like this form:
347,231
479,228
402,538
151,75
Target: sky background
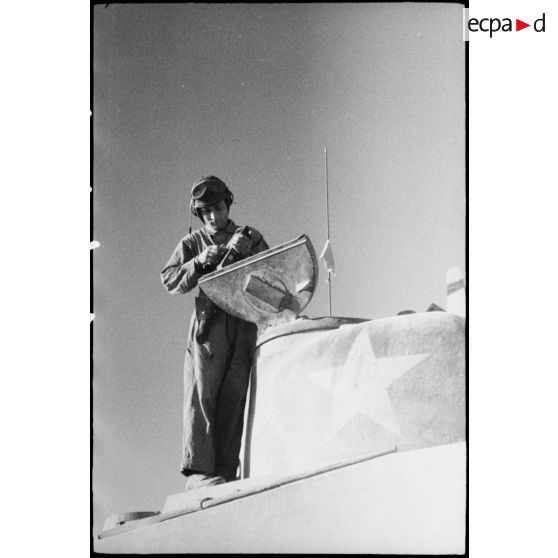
253,93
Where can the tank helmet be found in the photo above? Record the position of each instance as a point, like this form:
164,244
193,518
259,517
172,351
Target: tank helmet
208,191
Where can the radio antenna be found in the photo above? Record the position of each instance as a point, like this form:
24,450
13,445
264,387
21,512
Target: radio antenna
327,221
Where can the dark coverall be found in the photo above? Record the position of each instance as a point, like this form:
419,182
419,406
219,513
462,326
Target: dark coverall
216,374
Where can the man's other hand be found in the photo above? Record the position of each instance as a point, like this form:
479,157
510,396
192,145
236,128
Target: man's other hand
240,244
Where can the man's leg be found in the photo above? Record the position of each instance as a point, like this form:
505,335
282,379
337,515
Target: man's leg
229,416
203,375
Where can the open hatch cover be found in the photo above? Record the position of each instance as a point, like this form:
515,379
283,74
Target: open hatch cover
271,287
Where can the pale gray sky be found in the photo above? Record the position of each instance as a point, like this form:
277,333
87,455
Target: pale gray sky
253,93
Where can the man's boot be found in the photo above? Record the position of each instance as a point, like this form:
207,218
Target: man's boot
201,480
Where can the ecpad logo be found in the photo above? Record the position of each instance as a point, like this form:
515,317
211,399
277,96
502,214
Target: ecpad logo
494,25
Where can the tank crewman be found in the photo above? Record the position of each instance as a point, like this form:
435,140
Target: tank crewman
218,350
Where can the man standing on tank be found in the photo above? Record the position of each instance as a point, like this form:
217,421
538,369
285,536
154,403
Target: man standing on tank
218,351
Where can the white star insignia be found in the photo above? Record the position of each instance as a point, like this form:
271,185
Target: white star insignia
360,385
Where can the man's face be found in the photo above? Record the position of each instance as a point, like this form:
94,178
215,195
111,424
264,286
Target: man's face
215,217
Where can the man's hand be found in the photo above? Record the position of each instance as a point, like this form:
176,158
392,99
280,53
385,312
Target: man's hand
240,244
212,255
